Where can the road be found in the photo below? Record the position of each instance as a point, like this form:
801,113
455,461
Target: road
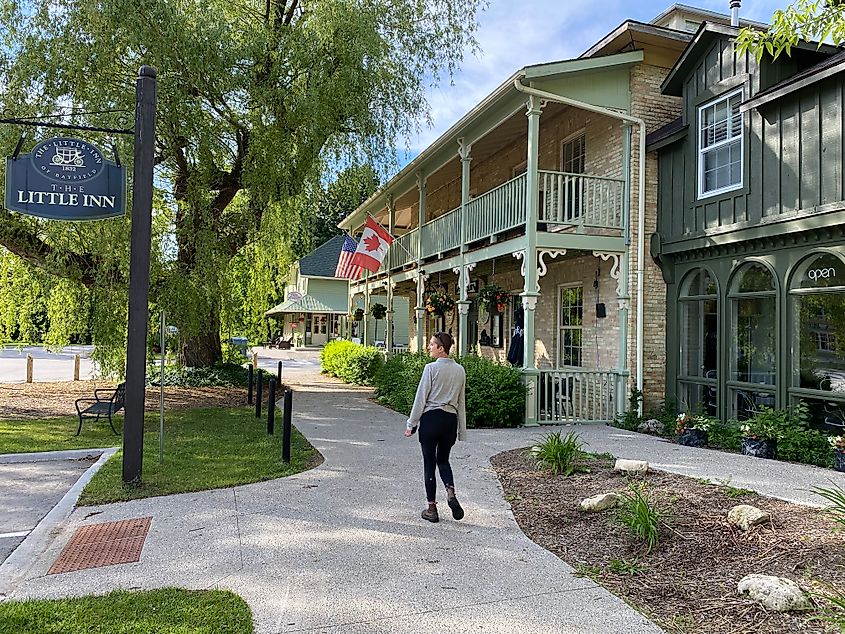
47,366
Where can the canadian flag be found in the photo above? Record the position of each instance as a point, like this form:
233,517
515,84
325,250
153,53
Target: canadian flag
372,247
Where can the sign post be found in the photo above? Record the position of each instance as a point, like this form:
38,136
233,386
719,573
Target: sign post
139,274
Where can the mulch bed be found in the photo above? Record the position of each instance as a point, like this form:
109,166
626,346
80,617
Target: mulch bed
688,583
47,400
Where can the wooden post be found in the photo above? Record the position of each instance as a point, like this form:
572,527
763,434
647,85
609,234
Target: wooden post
255,361
29,368
76,367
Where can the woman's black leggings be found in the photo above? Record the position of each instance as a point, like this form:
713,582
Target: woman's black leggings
438,432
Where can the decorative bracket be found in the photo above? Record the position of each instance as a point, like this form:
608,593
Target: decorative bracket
520,255
529,302
463,277
614,270
463,308
541,266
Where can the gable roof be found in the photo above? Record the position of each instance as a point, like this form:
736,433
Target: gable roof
322,261
704,37
826,68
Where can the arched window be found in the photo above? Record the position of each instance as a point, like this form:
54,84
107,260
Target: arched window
698,303
752,355
817,305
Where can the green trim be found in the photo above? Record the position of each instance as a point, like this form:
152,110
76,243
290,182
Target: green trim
583,65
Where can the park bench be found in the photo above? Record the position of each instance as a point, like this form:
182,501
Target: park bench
102,405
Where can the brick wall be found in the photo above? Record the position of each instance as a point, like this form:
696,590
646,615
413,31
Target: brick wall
657,110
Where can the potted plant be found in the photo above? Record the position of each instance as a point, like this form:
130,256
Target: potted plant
760,434
691,430
838,445
439,302
378,311
358,315
492,295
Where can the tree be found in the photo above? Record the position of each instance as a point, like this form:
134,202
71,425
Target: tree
254,98
807,20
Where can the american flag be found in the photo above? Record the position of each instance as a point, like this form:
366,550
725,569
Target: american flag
345,267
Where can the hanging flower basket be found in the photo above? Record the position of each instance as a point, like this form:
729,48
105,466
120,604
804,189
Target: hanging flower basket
492,295
837,443
358,315
439,302
378,311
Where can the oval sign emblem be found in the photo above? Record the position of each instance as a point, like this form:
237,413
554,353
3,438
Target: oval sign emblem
68,160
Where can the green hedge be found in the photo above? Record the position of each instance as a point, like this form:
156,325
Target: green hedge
350,362
495,393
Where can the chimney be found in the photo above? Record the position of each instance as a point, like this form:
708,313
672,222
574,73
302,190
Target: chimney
735,4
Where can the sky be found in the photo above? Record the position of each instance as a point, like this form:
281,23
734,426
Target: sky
516,34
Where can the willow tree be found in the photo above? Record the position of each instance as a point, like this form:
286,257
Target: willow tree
254,98
803,20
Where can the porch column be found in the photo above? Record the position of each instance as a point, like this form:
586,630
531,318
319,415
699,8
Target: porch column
623,293
530,294
388,336
464,151
365,336
420,307
420,311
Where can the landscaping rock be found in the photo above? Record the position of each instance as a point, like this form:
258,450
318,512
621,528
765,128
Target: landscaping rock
600,502
775,593
651,426
630,466
744,516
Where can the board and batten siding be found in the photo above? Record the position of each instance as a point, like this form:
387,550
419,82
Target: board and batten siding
793,150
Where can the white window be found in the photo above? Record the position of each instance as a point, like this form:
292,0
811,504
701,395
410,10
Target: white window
720,145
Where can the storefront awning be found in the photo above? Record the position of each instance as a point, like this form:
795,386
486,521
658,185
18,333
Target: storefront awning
304,304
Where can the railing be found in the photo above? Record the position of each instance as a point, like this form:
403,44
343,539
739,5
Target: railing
566,200
441,234
581,201
403,250
583,396
500,209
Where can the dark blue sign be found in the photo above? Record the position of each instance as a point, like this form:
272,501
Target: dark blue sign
65,179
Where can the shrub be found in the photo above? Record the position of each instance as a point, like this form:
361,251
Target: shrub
558,454
396,381
220,375
630,420
360,365
641,515
809,446
335,355
724,435
495,395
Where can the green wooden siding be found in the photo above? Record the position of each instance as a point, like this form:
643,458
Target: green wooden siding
333,293
793,150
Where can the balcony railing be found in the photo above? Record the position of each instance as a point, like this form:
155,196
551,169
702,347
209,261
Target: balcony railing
582,396
581,201
576,201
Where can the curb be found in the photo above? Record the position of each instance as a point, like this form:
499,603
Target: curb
18,564
49,456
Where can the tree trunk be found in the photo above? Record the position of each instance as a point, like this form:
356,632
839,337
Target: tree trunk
203,349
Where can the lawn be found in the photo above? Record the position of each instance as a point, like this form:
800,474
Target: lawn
165,611
203,449
56,434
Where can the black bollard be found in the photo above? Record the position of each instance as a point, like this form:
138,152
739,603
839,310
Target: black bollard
249,392
279,373
271,407
286,426
259,394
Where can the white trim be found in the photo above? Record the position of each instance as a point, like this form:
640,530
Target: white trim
700,151
568,139
560,327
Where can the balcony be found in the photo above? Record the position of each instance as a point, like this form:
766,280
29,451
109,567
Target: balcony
567,203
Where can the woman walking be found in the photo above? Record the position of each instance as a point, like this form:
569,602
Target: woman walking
440,412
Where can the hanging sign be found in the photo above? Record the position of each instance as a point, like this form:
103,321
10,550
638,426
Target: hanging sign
65,179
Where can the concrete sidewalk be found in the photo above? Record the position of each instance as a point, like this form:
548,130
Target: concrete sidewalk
341,548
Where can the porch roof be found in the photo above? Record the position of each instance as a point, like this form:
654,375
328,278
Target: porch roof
493,110
305,304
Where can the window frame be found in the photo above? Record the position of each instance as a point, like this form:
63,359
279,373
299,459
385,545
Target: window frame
701,151
684,382
560,327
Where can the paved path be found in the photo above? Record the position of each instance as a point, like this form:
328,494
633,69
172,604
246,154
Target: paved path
46,365
341,548
28,490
